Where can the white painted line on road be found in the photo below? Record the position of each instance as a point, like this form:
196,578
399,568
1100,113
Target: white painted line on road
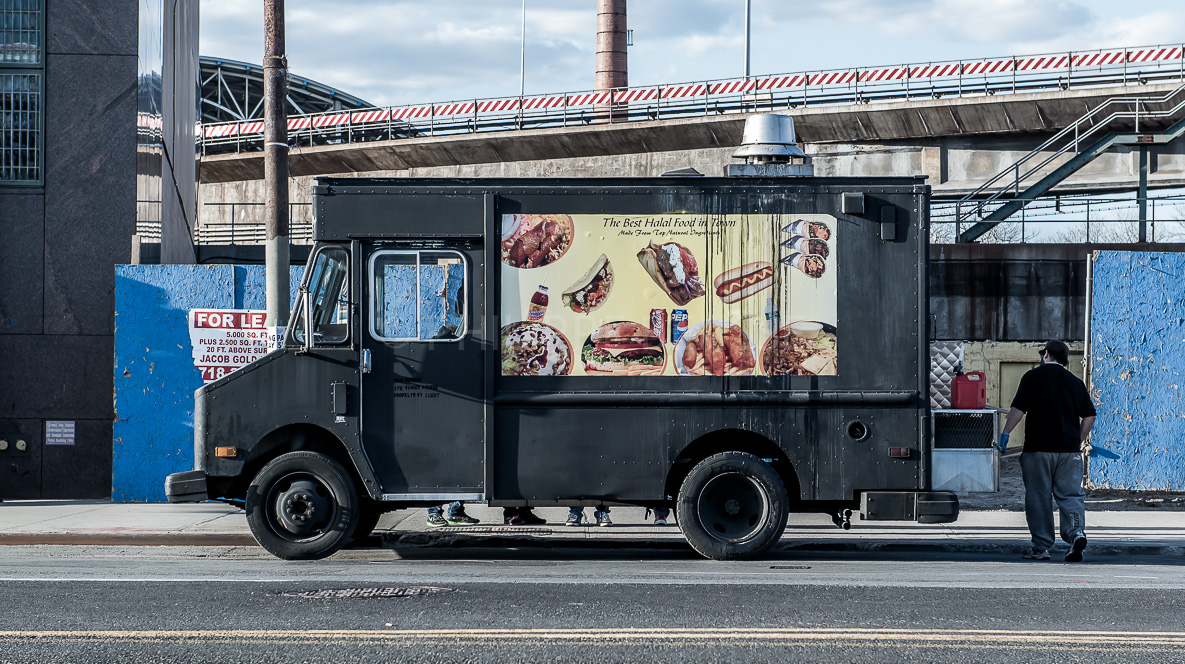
1117,576
116,579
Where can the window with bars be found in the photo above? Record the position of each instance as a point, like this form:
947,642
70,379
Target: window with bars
21,90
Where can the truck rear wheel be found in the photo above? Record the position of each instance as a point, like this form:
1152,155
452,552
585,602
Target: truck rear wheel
732,506
368,520
302,506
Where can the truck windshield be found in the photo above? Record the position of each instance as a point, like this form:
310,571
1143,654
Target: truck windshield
329,296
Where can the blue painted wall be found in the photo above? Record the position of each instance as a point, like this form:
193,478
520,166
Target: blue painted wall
1138,371
154,373
440,300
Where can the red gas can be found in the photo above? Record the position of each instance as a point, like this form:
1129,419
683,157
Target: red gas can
969,391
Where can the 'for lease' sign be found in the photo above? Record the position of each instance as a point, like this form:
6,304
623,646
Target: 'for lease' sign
226,339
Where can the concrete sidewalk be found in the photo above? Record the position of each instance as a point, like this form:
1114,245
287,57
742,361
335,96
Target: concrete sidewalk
216,524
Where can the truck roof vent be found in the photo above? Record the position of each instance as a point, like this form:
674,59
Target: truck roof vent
769,149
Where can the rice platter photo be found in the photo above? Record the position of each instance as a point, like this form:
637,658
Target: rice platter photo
802,348
806,245
623,348
535,240
809,264
535,349
591,290
715,348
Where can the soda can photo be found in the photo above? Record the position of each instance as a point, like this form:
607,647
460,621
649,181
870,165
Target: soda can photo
658,323
678,324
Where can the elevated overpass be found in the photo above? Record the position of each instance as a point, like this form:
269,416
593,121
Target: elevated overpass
960,123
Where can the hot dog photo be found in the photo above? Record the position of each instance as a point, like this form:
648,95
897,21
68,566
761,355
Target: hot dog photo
741,282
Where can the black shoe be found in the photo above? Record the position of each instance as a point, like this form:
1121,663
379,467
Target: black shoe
530,518
461,519
1076,549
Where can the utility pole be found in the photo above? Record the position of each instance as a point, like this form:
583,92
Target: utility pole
275,163
747,14
522,57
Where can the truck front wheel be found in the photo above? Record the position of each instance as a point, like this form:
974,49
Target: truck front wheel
732,506
302,506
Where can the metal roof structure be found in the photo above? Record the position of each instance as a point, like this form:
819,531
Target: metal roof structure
233,91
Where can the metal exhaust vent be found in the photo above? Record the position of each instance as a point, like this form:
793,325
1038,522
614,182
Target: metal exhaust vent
770,149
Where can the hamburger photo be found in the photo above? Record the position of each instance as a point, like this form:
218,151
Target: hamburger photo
591,290
740,282
674,269
623,348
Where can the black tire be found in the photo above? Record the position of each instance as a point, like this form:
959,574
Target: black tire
732,506
302,506
368,519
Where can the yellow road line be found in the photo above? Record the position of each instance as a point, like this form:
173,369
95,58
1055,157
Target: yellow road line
1037,639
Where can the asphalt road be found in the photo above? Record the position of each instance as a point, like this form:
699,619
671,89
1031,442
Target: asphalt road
147,604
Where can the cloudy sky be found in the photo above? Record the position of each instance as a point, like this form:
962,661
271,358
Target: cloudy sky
413,51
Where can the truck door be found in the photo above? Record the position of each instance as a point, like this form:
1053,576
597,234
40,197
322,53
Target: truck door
423,423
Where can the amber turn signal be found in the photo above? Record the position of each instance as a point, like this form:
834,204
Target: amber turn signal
226,452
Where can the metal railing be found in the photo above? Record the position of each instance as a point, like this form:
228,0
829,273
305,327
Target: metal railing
1107,225
1005,186
954,78
148,220
245,224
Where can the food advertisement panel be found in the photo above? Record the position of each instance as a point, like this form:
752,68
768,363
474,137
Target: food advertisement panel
669,295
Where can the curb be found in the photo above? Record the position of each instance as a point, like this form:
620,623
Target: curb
459,540
127,539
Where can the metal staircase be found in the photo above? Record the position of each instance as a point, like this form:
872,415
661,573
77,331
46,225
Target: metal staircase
1138,120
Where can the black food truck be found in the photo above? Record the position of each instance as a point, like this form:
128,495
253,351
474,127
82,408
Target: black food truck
734,348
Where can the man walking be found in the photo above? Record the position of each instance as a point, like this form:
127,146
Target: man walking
1059,417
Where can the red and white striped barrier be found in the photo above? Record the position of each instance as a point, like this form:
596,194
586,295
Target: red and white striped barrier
846,77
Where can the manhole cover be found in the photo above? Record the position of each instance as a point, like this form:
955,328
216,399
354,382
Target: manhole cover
369,593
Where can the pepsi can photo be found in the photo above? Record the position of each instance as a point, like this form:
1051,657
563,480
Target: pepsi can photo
678,324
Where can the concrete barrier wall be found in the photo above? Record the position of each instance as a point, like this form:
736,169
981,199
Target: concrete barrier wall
1137,371
154,373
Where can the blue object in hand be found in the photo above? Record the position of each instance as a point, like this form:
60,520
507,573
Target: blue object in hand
1003,442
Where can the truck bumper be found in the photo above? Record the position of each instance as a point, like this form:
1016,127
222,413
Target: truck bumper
186,487
920,506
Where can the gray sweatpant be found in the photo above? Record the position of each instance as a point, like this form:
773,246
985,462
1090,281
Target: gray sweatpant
1057,475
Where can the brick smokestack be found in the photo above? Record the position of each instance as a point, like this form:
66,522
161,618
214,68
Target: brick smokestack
612,70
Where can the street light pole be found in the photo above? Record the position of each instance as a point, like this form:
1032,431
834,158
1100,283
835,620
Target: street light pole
275,163
522,56
747,30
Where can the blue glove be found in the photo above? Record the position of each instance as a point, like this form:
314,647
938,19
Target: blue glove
1003,442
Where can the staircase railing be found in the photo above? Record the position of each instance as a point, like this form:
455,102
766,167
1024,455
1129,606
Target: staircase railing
972,206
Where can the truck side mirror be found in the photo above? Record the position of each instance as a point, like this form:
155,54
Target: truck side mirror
306,315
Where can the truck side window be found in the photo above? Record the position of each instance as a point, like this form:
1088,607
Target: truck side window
418,295
329,293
